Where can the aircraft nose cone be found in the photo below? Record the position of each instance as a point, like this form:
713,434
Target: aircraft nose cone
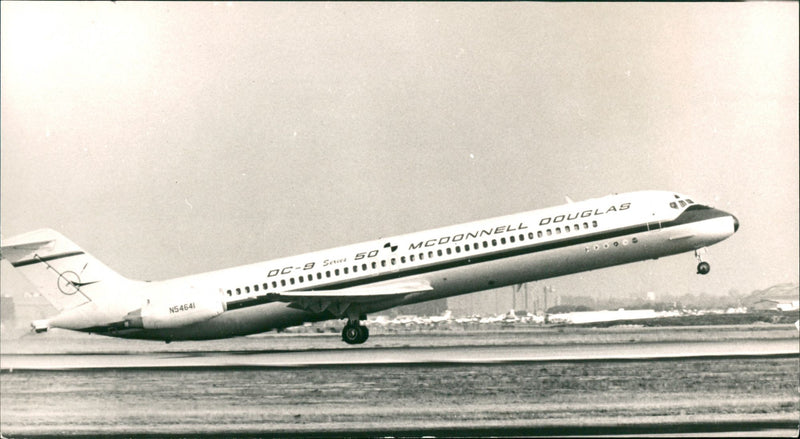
735,224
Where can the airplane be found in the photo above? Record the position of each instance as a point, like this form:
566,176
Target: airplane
352,281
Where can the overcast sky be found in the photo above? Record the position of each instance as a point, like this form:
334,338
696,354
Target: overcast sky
174,138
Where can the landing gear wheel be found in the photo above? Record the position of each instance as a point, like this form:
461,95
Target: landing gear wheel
350,334
355,334
703,268
364,334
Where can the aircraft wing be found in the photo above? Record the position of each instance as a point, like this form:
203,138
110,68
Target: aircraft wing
340,301
367,293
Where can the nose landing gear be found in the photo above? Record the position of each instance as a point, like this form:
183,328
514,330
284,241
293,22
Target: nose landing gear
702,267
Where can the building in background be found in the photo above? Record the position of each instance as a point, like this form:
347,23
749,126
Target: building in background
431,308
781,297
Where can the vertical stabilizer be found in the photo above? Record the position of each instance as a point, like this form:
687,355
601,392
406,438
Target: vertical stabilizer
61,271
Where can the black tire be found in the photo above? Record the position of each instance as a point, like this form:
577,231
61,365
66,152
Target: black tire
363,334
703,268
351,334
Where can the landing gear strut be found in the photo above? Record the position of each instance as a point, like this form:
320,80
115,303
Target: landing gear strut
703,267
355,333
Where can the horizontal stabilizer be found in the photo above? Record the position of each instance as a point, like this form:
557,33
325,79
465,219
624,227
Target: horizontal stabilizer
25,246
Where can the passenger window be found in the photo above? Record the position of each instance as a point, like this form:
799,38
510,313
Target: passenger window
494,242
355,268
255,287
394,261
345,270
291,280
363,267
511,238
521,237
449,251
247,290
300,279
238,291
566,229
530,235
558,230
328,273
336,272
283,282
229,293
266,286
411,258
383,263
577,226
274,284
458,249
585,225
310,278
594,223
439,252
319,276
430,254
549,232
502,240
539,233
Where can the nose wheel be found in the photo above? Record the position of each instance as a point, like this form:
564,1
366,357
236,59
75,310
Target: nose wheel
703,267
355,333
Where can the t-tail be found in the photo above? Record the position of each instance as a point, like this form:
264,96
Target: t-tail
72,280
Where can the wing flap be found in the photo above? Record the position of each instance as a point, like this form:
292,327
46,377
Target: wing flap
347,302
368,293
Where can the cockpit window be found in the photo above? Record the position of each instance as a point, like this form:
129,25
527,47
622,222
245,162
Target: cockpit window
689,201
673,205
683,203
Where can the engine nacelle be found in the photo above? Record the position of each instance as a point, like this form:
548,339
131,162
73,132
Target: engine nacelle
175,311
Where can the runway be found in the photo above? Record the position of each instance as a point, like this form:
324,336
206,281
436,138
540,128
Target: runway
366,355
724,381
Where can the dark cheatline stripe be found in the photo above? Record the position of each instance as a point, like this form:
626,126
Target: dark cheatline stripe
45,259
253,301
503,254
692,214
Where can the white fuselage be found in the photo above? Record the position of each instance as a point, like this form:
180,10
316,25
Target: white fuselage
453,260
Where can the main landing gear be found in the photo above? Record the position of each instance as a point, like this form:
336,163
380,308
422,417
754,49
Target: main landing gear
354,332
702,267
